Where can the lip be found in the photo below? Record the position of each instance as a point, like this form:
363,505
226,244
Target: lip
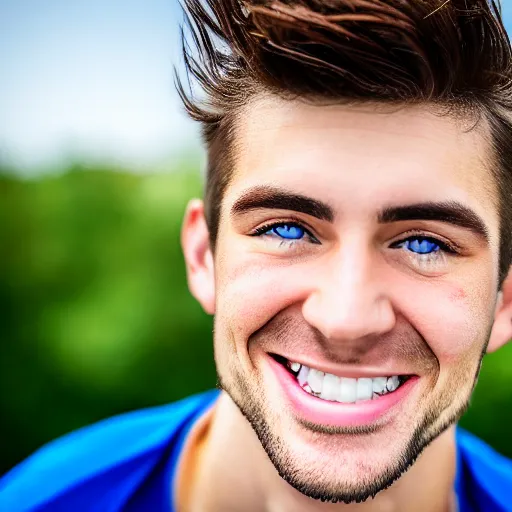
322,412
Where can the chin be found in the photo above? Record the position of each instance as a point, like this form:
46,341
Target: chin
346,462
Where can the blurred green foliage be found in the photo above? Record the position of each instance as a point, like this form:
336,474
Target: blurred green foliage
95,314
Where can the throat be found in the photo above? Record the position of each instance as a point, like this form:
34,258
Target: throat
191,461
225,462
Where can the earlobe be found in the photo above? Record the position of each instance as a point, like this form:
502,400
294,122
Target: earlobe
195,242
502,328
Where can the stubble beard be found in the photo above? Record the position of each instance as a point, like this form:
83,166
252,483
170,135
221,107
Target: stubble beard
443,413
443,410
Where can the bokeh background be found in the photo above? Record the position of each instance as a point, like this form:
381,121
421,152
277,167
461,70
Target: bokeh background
97,162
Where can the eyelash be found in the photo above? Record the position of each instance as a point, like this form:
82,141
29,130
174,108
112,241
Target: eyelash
263,230
444,247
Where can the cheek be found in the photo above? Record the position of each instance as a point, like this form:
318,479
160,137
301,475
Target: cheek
249,293
453,319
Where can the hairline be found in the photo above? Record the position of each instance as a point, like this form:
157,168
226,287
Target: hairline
475,116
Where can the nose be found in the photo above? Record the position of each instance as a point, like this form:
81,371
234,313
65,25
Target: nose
349,299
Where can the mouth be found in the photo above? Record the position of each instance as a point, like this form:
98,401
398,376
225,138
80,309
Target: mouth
324,398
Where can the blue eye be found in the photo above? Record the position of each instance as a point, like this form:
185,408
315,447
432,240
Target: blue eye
287,231
420,245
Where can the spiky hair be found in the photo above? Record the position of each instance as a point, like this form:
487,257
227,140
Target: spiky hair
454,53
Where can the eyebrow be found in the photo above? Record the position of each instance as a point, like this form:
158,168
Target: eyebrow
451,212
263,197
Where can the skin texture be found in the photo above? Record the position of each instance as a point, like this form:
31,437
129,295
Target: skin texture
348,297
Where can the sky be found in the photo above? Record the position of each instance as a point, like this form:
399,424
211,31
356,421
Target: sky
93,80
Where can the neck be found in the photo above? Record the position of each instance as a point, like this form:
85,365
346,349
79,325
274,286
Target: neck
234,469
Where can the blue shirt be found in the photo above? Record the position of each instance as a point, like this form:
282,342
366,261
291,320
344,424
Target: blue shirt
128,463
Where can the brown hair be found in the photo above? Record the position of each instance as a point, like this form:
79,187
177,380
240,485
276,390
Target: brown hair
454,53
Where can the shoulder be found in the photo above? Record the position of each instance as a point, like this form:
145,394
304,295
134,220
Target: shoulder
489,472
124,447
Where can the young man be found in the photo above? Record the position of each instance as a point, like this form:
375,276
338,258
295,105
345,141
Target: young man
354,246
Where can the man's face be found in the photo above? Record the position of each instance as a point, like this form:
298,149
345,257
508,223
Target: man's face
360,244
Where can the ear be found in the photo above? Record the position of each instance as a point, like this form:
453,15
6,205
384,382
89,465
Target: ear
502,328
195,242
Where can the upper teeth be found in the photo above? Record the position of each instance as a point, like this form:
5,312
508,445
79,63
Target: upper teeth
295,367
341,389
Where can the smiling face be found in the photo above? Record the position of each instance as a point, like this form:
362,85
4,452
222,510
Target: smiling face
361,245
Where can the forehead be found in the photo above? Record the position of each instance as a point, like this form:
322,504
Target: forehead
360,158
